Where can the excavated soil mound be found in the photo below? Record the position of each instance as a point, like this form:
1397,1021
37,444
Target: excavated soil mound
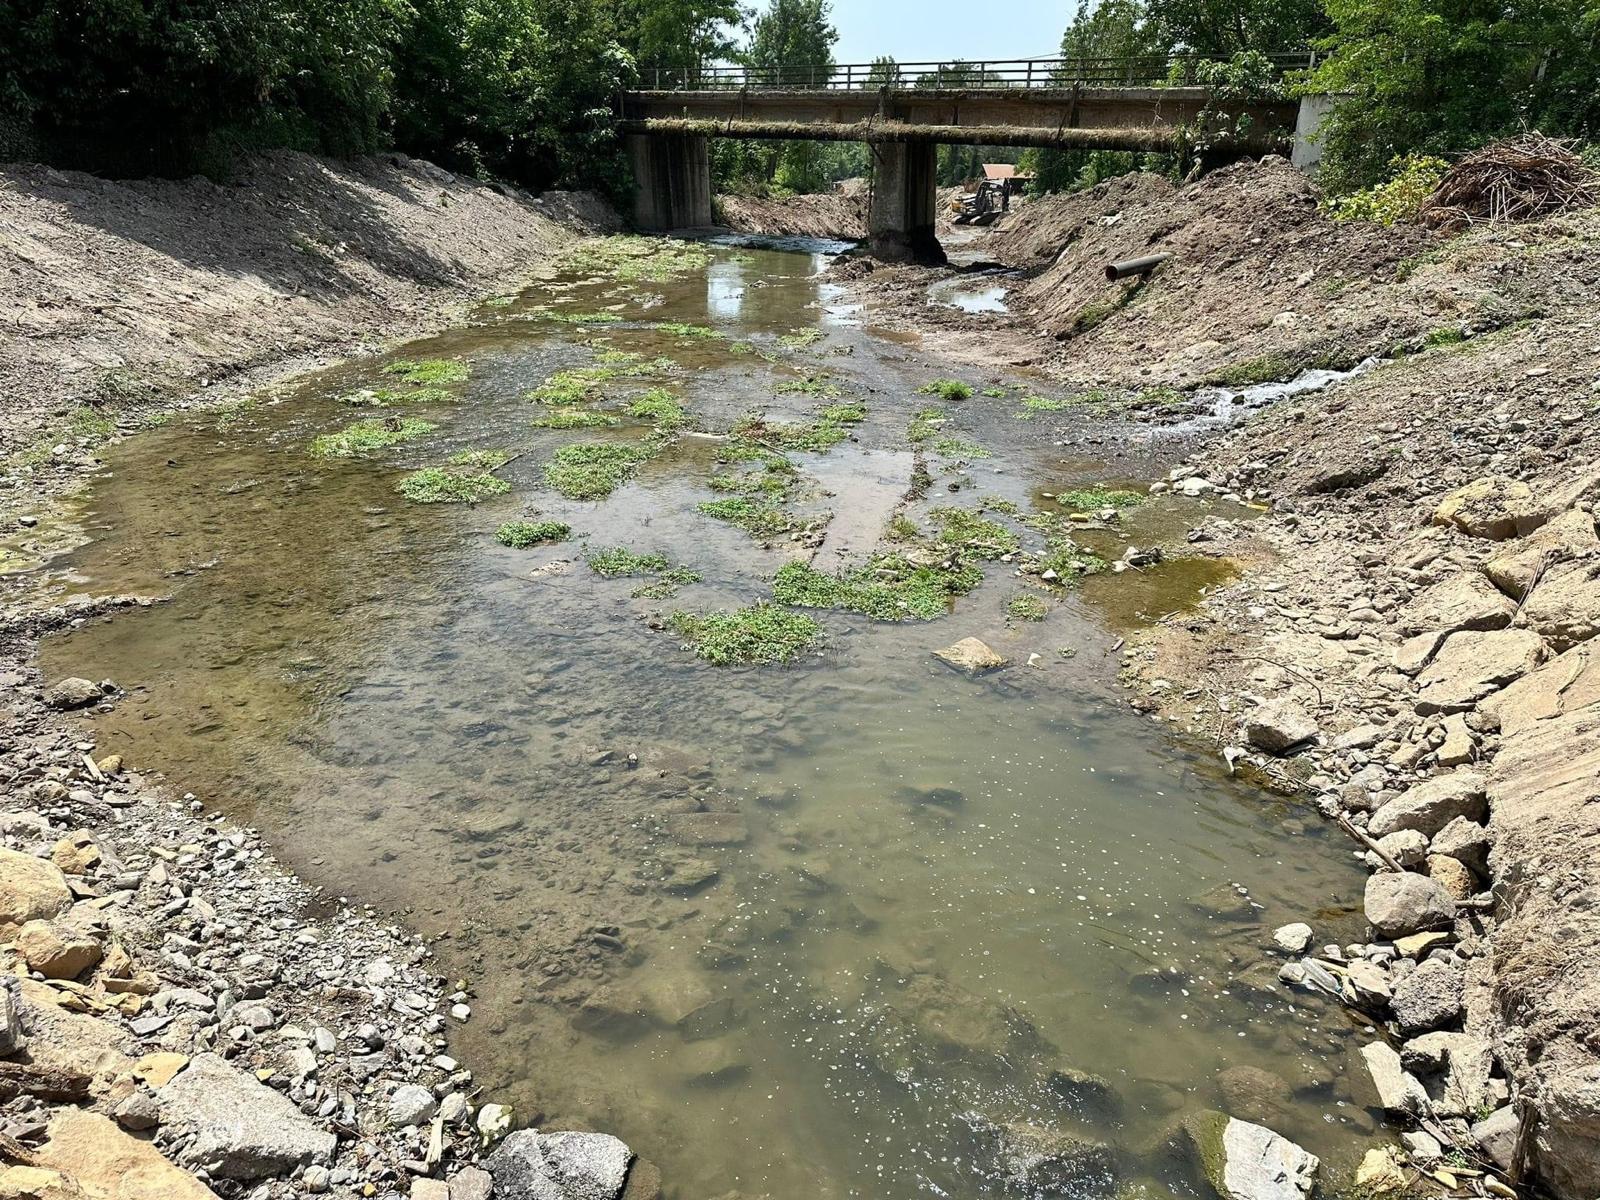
841,213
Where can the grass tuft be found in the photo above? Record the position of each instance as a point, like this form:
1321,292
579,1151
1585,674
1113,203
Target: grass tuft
762,633
520,535
946,389
366,436
451,485
754,517
432,371
889,588
593,470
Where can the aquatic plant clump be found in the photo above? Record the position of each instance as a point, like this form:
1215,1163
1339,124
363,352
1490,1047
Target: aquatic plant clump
617,561
845,414
965,529
924,424
632,259
593,470
679,329
760,634
755,518
451,485
660,406
1026,608
946,389
575,418
434,371
799,339
1094,499
1039,404
383,397
890,587
812,385
366,436
521,535
958,447
1068,561
585,318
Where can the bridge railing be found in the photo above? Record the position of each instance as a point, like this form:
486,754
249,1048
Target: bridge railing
1162,70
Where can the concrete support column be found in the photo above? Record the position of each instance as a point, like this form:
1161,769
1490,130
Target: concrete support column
672,174
904,193
1307,152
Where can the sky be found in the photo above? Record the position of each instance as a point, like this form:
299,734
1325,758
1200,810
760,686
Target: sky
940,30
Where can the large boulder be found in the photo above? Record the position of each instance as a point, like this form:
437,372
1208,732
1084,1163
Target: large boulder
108,1163
31,889
57,950
1432,805
1471,666
1428,997
1569,536
1036,1161
530,1165
238,1127
971,655
72,693
1463,601
1494,507
1565,607
1402,902
38,1183
1563,685
1465,841
1279,725
1395,1090
1242,1161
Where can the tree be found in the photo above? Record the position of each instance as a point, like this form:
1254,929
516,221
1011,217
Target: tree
685,34
1221,28
792,42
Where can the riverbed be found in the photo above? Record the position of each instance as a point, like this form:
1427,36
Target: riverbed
852,925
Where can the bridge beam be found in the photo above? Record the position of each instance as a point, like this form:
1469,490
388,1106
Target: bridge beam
904,197
672,177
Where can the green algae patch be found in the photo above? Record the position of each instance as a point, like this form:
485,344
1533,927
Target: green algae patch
1026,607
679,329
812,385
1038,404
660,406
615,561
799,339
753,516
924,424
1094,499
959,448
432,371
964,528
760,634
946,389
891,587
479,460
522,535
387,397
366,436
451,485
1065,562
630,258
593,470
574,418
585,318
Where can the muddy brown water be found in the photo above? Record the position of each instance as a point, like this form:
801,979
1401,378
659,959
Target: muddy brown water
930,905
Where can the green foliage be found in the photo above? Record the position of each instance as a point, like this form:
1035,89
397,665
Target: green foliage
366,436
889,588
958,448
1069,561
762,633
660,406
679,329
521,535
383,397
1039,404
1094,499
431,371
754,517
616,561
1412,179
593,470
574,418
844,414
962,528
585,318
480,460
1026,607
634,259
946,389
924,424
799,339
451,485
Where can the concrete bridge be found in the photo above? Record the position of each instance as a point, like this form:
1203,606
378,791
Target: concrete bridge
904,112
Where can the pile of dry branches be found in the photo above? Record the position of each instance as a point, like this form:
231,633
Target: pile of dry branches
1514,180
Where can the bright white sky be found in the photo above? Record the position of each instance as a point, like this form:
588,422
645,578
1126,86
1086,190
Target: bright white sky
940,30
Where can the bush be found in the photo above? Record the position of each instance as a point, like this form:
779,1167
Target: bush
1412,180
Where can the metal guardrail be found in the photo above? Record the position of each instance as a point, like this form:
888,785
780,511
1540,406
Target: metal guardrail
1152,71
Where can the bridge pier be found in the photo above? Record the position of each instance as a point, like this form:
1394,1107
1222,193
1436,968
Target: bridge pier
672,174
904,197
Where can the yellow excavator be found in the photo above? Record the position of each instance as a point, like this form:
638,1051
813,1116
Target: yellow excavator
980,207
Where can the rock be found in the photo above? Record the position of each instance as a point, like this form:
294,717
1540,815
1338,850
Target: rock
644,1182
494,1120
1279,725
473,1183
1472,666
1248,1162
1402,902
56,950
411,1104
108,1163
138,1112
77,853
1408,847
1496,1136
1419,945
37,1183
1411,655
1362,737
972,656
1564,684
1494,507
1459,746
1452,875
240,1128
1466,841
1463,601
1569,536
1252,1094
1431,805
1422,1147
159,1068
72,692
1292,939
1085,1096
430,1189
1565,608
1366,986
1397,1092
1428,997
1044,1162
1463,1064
530,1165
708,828
1378,1172
30,890
12,1037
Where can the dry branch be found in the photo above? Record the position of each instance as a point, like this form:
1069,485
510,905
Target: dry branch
1515,180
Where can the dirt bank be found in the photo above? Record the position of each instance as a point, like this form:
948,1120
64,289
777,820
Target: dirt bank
123,298
841,213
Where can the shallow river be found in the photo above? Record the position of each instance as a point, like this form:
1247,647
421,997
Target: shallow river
854,926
